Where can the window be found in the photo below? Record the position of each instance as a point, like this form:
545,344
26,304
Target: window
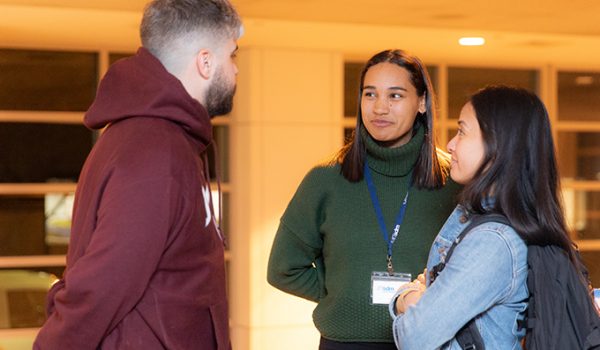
43,152
43,145
578,94
578,144
579,154
464,81
47,80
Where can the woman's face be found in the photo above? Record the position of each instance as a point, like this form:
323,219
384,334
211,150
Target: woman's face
466,147
389,104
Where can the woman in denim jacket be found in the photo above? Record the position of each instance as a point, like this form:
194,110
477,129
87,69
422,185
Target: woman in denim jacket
504,155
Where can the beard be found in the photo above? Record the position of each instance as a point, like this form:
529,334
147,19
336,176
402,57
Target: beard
219,97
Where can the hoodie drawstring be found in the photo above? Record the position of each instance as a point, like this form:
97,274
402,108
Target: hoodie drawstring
213,146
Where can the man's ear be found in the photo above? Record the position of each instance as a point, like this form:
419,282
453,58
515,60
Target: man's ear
204,63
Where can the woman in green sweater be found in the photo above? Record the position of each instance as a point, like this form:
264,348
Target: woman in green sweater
361,226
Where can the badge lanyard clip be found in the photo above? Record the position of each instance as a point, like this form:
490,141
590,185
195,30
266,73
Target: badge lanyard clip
390,266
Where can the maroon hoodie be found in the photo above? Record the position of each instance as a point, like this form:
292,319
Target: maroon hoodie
145,267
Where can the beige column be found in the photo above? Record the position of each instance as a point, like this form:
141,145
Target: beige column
287,118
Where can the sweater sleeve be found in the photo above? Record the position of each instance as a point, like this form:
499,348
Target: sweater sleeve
106,282
296,264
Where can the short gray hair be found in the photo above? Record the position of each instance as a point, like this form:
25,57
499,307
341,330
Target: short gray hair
172,28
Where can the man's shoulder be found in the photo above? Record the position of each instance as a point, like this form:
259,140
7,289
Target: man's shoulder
147,146
148,125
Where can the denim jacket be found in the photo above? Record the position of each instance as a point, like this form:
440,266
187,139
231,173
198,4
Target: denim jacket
484,278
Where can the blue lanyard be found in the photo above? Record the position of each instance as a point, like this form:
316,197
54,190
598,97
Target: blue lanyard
379,214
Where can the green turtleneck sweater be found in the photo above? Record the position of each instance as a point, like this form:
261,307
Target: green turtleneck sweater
329,241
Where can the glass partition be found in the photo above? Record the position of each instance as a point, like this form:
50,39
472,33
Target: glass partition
35,80
464,81
579,96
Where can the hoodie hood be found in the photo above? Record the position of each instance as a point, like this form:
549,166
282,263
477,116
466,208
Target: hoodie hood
140,86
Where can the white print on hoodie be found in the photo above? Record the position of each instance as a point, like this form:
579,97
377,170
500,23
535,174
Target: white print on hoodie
206,195
209,213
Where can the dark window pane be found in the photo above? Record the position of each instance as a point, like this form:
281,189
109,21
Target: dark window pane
583,213
351,85
114,57
29,225
221,137
579,96
38,152
22,223
434,77
591,214
462,82
27,307
47,80
591,260
23,295
579,155
35,225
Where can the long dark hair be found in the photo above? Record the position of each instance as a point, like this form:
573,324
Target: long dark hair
519,166
431,170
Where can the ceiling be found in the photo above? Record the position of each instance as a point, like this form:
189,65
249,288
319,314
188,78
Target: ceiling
581,17
576,17
558,28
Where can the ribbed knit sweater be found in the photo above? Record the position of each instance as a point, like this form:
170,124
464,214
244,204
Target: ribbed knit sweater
329,241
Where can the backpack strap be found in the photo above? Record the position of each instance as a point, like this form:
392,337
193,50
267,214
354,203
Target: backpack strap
468,337
530,319
475,221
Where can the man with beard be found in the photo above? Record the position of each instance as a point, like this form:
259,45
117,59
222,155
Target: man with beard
145,266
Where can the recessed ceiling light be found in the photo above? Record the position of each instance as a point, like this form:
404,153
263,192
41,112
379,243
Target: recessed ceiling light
471,41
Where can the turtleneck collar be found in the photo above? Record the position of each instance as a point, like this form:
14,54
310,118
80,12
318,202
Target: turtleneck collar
395,161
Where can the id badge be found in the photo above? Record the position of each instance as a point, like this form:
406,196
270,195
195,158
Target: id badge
385,285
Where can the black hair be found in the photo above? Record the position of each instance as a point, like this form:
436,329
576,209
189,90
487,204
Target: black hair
519,168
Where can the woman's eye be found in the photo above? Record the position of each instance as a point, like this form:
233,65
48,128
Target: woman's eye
396,96
368,94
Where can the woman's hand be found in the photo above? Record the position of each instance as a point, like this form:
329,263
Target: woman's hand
421,277
411,294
